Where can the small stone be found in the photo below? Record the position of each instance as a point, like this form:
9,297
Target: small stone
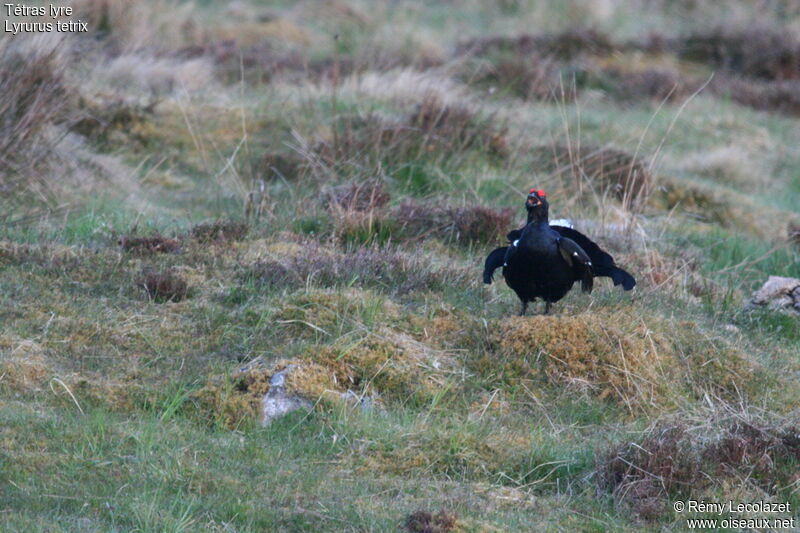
277,402
777,293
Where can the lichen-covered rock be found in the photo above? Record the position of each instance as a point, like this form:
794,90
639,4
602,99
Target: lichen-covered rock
778,293
277,401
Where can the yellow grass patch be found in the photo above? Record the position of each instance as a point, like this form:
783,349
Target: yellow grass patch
637,359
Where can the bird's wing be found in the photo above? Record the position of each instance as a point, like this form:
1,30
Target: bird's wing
514,235
494,261
602,262
600,259
579,261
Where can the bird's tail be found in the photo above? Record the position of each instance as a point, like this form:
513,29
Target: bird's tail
587,281
620,277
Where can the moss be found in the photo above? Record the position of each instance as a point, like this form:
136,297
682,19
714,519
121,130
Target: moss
392,366
24,367
329,311
640,360
231,401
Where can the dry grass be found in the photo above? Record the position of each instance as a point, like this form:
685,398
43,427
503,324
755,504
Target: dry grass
164,286
367,195
384,268
756,51
423,521
607,170
635,360
675,460
35,97
149,245
458,224
220,231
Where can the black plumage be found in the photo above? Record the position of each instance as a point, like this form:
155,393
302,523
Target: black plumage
544,261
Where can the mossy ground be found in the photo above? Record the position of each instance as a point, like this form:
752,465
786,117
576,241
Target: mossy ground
265,186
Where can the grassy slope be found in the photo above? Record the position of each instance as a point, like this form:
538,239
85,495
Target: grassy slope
105,423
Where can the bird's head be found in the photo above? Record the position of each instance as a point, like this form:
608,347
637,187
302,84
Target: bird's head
537,205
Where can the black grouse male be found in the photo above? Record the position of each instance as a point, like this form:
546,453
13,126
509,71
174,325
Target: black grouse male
544,261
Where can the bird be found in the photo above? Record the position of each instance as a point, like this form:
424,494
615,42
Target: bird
544,261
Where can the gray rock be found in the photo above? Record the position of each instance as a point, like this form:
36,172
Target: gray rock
777,293
277,402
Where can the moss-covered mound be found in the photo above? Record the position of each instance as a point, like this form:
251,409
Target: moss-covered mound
639,360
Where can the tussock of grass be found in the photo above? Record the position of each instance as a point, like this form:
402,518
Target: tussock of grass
674,460
760,52
643,362
35,96
606,169
388,367
386,269
334,312
220,231
374,150
25,367
164,286
460,224
149,245
423,521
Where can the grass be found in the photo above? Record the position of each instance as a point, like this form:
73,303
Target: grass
266,188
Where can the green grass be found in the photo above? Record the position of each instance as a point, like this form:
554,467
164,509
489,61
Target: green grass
108,414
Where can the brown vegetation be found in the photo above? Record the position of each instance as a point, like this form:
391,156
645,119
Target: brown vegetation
423,521
150,245
461,224
35,96
220,231
673,460
605,169
635,360
384,268
757,51
164,286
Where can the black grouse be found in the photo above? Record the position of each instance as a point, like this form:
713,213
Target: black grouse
544,261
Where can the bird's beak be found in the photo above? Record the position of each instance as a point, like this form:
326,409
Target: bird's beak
533,201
